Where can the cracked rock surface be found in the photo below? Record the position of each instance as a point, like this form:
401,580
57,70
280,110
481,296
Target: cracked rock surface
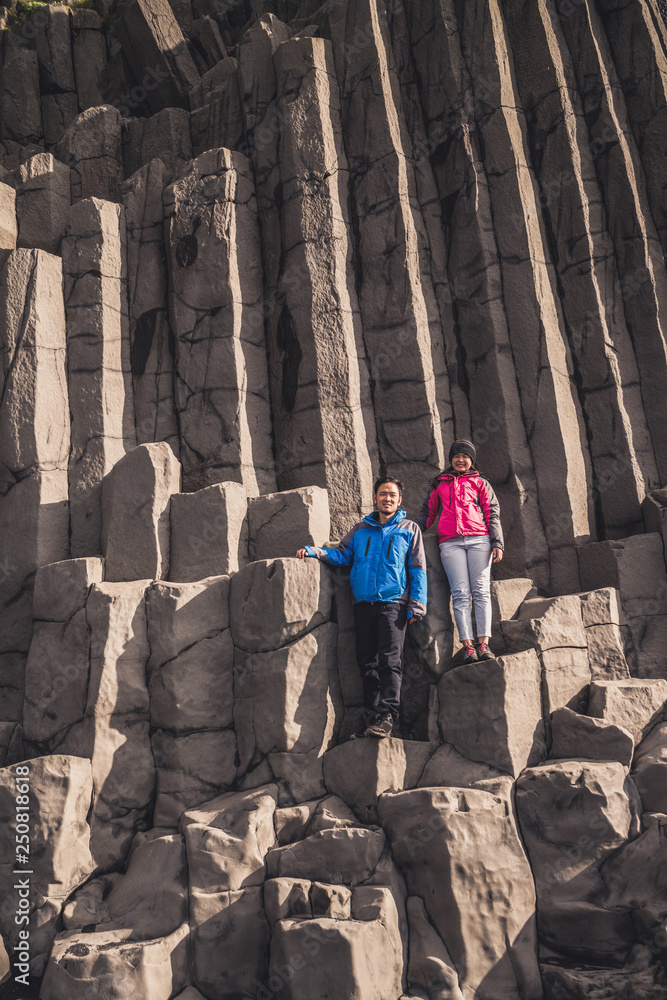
253,254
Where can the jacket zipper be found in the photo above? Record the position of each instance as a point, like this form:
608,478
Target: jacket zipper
368,544
389,548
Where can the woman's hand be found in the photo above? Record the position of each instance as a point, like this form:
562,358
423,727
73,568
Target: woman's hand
497,555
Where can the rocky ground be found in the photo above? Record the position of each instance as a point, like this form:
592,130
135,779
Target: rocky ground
252,253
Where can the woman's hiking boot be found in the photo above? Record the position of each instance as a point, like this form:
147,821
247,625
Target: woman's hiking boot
483,651
469,652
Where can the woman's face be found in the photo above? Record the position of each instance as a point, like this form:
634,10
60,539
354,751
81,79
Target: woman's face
461,462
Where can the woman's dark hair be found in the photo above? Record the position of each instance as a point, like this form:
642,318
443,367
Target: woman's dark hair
387,479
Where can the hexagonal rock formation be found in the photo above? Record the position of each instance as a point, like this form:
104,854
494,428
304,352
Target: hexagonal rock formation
304,244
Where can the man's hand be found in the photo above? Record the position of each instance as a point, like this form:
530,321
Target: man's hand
497,555
302,554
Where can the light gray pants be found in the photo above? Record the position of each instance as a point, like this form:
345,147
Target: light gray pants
467,563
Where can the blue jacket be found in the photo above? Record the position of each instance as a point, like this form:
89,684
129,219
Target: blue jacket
388,561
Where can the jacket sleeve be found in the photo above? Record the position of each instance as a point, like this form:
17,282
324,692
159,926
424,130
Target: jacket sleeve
429,511
417,575
341,556
491,511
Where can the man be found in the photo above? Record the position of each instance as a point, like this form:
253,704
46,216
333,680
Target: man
388,579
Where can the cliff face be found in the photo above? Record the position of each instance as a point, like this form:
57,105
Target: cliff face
253,254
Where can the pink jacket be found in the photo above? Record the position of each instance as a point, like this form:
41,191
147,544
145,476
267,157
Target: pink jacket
463,504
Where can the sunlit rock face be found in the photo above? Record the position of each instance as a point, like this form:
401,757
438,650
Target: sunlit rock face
254,254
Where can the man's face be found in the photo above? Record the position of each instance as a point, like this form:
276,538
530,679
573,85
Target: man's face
387,499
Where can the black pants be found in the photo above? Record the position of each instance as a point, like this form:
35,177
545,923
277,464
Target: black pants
380,639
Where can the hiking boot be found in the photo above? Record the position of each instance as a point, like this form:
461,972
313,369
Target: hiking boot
483,651
380,726
469,652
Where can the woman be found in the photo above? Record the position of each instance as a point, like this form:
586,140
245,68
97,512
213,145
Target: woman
469,531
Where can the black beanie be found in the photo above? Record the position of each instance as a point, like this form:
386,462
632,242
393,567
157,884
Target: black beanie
466,447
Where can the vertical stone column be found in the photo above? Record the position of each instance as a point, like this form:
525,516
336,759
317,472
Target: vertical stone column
638,251
485,364
54,54
34,448
323,420
89,56
638,41
401,324
571,202
21,108
98,360
542,359
151,356
215,307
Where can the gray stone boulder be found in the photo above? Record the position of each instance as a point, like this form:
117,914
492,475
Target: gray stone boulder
577,736
358,771
190,769
91,148
230,941
606,633
573,816
546,623
635,566
491,711
649,769
135,513
275,601
367,952
227,840
43,199
101,965
57,858
149,899
460,852
114,729
281,523
180,615
635,704
209,532
288,700
431,968
343,854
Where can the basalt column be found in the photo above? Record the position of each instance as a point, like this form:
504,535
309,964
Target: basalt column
34,448
549,403
485,364
621,177
321,403
98,360
619,440
215,307
151,355
401,322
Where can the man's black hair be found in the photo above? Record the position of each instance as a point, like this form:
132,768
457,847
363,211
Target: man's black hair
387,479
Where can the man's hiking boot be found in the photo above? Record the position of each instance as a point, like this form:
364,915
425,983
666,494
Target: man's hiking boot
380,726
483,651
469,653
